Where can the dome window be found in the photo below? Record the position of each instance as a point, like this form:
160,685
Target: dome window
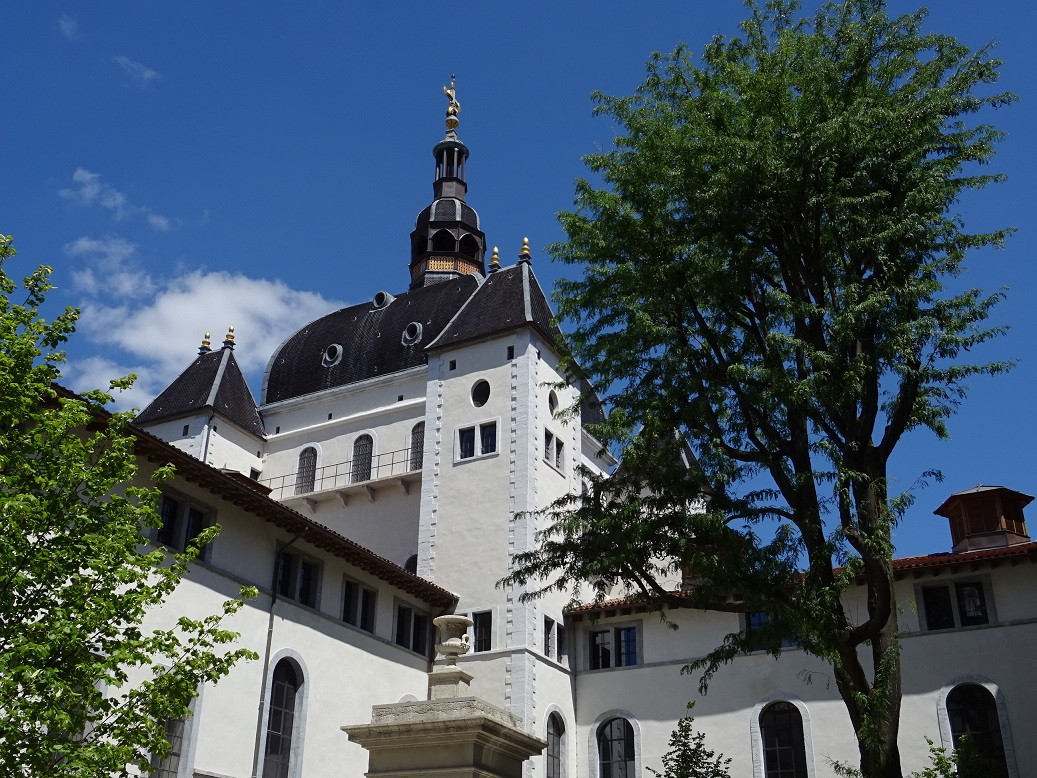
412,333
480,393
332,355
382,299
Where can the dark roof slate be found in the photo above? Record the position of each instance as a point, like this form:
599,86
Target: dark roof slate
371,338
214,381
507,299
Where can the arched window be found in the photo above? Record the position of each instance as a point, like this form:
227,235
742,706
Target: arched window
284,689
616,749
469,246
417,445
307,473
973,714
443,241
360,470
784,752
555,743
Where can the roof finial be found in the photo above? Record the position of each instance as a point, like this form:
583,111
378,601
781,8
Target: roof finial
453,108
228,342
524,255
494,261
206,343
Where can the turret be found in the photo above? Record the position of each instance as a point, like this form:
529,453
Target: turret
986,517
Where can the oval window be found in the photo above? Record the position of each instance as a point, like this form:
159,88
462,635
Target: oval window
480,393
412,333
552,402
332,355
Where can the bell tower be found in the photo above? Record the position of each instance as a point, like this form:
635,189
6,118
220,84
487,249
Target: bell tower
446,241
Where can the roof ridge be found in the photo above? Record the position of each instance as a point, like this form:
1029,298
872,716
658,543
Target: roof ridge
227,355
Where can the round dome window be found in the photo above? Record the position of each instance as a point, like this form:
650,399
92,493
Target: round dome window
412,333
480,393
332,355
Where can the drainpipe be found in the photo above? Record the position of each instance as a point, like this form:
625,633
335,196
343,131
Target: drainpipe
266,652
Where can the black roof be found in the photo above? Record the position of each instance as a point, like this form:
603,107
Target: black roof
371,338
214,381
507,299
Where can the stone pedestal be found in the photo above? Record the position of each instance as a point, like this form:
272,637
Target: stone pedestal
463,737
451,735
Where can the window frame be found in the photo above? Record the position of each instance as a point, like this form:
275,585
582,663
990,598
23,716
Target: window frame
295,757
310,479
553,442
478,452
364,612
953,590
756,732
296,562
481,619
178,533
555,754
613,642
417,640
628,764
357,473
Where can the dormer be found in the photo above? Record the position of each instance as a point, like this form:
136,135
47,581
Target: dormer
986,517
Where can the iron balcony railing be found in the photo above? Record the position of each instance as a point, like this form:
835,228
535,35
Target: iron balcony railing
360,469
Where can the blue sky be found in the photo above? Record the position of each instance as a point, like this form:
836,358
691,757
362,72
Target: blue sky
186,166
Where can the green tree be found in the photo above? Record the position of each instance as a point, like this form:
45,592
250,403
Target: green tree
689,757
764,271
86,690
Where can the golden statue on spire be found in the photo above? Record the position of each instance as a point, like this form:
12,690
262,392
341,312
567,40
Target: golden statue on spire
453,107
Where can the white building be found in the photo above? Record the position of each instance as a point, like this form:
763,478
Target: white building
394,467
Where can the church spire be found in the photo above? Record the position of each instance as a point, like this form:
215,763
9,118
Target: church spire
447,241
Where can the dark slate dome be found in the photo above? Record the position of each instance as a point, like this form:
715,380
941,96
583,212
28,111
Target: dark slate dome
364,341
448,209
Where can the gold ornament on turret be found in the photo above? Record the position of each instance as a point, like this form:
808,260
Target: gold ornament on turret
453,107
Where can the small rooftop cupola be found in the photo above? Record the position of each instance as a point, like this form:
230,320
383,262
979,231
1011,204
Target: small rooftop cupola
985,517
447,241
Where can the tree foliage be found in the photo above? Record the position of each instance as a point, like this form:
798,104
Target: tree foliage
85,688
767,270
689,757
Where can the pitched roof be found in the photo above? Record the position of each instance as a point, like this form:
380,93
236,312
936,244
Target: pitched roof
371,338
509,298
214,381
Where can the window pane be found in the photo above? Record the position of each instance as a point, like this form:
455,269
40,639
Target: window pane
549,628
403,625
167,510
973,714
307,583
283,691
972,603
417,446
419,640
555,735
784,752
483,630
361,468
350,596
626,646
616,749
466,443
601,650
488,433
195,524
367,601
304,479
938,611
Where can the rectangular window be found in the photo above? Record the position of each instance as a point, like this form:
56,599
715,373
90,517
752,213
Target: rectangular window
511,352
181,522
478,440
298,578
562,643
756,623
483,631
411,629
616,647
358,604
549,629
957,604
554,450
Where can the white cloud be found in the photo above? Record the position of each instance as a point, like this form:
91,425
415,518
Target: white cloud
108,265
82,375
159,330
137,72
69,27
89,190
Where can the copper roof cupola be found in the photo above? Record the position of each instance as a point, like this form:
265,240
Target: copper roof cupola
447,241
986,517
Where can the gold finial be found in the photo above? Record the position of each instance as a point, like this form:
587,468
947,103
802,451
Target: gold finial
494,260
524,255
228,342
206,343
453,107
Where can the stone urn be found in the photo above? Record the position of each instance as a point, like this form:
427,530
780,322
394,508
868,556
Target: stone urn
453,636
